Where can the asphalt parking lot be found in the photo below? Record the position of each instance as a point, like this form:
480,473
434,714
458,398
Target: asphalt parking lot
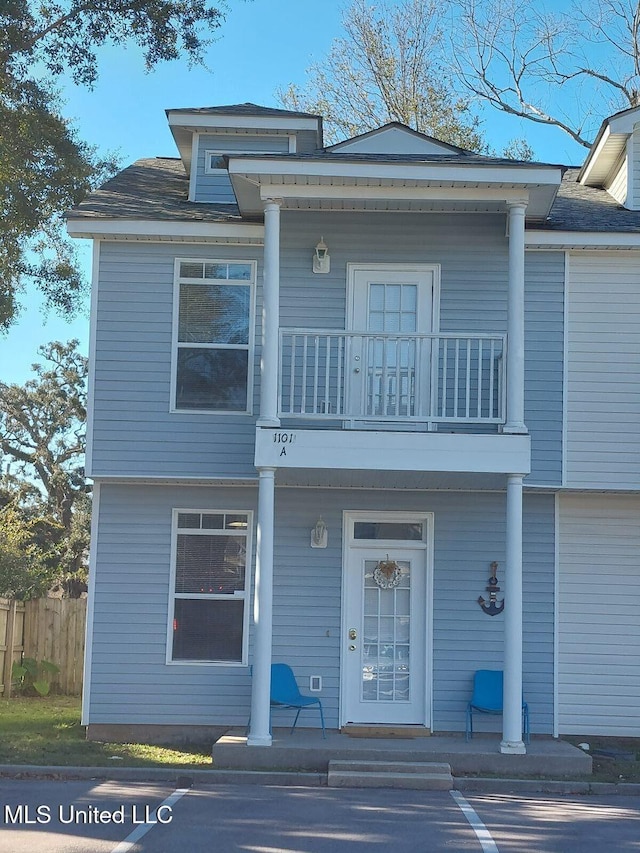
54,816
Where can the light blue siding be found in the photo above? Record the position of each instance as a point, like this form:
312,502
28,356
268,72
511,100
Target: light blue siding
216,188
544,344
132,595
134,432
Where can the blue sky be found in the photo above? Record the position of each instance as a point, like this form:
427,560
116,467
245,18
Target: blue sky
262,46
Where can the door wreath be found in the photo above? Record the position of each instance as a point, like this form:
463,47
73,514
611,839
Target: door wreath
387,574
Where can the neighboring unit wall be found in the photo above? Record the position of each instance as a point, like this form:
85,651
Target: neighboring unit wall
598,605
617,187
603,370
131,682
134,432
633,152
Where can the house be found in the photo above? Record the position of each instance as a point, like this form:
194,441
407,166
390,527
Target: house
337,393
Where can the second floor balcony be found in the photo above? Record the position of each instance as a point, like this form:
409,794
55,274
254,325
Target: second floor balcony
403,402
392,381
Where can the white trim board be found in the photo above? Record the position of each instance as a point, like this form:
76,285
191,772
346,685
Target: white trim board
198,231
275,123
91,376
88,635
581,240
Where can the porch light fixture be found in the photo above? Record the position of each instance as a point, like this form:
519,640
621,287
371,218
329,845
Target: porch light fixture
319,534
321,257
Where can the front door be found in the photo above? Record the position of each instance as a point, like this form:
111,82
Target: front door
395,308
385,660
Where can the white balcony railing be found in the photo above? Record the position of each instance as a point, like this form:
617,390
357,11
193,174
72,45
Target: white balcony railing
365,376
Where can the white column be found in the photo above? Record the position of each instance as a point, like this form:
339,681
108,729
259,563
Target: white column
515,321
512,699
270,315
260,730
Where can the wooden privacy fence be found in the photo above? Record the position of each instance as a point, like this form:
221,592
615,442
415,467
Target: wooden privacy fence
11,633
45,629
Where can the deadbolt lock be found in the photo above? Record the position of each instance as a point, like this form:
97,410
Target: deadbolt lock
352,633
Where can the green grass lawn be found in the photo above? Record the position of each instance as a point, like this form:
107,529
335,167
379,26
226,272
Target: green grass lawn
48,731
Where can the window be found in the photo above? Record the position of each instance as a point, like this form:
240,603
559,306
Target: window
213,162
213,332
210,583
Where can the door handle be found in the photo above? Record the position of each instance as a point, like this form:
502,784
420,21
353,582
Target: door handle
352,633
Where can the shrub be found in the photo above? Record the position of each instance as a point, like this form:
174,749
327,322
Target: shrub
32,677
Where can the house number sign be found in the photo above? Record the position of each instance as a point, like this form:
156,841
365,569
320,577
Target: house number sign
283,439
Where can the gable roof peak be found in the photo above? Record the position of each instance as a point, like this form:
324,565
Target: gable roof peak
416,140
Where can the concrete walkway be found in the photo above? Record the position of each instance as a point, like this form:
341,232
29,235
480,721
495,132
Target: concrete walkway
306,750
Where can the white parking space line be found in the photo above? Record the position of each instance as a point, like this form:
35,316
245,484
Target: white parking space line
162,814
484,836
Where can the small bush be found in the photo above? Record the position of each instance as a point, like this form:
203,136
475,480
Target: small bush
33,677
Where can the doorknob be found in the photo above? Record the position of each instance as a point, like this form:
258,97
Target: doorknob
352,633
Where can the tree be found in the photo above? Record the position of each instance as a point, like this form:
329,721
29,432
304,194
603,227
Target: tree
515,56
388,66
44,167
44,498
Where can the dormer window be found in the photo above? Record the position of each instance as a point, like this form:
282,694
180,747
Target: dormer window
213,162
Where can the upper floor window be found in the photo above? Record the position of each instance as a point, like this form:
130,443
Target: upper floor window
213,334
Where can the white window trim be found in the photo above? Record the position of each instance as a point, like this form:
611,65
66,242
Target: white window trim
246,597
177,280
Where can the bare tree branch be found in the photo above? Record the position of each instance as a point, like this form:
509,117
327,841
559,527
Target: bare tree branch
516,57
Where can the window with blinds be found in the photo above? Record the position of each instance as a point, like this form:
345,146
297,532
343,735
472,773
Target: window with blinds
210,582
213,336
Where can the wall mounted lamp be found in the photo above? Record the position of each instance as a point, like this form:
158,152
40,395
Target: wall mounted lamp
319,534
321,257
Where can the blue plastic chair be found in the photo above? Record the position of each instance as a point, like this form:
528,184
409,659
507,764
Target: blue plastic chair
487,699
285,693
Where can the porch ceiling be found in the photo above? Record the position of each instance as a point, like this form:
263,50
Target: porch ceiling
389,480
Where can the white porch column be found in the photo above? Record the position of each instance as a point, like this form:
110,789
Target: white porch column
515,321
270,316
260,730
512,699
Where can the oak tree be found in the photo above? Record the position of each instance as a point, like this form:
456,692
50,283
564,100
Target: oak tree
45,168
44,498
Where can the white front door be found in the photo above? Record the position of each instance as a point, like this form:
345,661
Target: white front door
390,363
386,660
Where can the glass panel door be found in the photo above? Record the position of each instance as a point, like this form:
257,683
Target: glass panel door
384,674
386,660
390,362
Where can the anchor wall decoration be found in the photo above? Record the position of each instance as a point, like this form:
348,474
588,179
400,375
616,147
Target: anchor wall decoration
494,606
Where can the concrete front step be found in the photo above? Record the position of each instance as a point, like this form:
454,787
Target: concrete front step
416,775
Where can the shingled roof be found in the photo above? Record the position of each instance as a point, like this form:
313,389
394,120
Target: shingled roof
246,109
158,188
581,208
154,189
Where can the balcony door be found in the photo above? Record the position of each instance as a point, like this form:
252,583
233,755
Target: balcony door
391,308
